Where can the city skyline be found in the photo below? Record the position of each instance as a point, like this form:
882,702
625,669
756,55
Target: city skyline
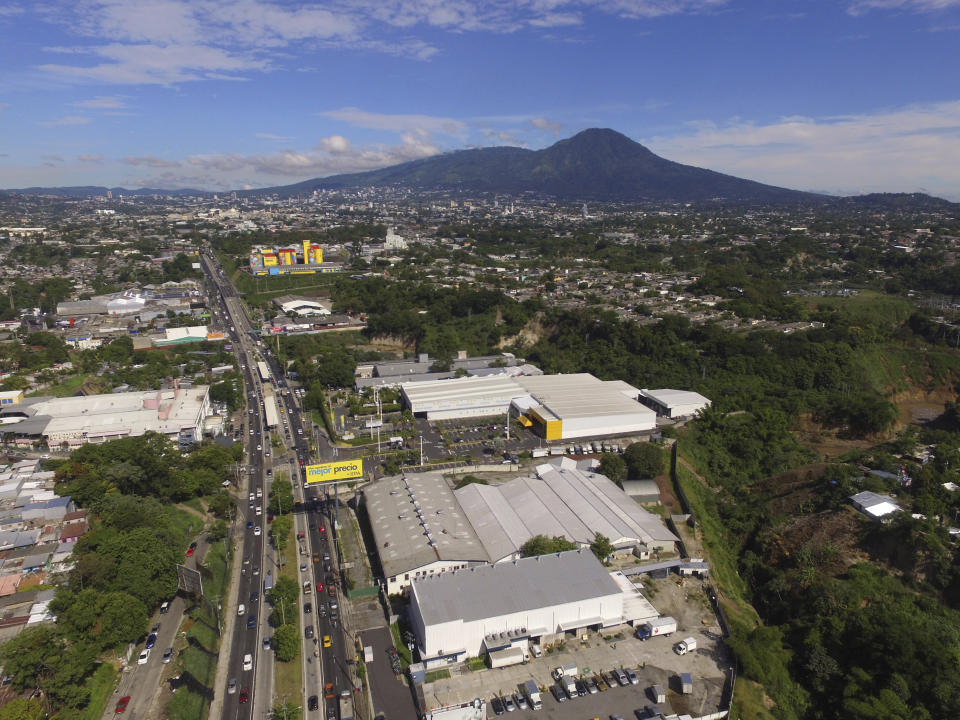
843,97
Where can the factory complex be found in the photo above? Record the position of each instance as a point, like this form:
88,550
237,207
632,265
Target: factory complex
422,527
179,413
556,407
466,613
291,260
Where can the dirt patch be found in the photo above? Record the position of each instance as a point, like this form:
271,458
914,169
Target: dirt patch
921,406
825,441
839,529
390,343
788,492
667,498
530,334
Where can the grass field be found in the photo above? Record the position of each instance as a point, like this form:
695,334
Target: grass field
100,685
67,388
217,561
288,676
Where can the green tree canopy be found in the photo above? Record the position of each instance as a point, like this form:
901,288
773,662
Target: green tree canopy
286,642
543,545
614,467
644,460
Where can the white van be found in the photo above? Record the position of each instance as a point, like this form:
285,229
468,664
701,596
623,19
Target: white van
241,609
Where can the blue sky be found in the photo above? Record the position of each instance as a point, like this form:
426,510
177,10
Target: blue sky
835,95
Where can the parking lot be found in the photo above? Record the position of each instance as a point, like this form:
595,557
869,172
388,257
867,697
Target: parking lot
653,660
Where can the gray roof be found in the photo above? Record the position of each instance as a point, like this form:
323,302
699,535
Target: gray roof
641,487
868,499
398,505
561,499
532,583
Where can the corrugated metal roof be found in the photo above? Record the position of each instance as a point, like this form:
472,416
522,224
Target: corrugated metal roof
537,582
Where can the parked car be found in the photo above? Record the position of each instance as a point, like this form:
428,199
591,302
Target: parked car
167,655
122,705
497,706
151,641
144,656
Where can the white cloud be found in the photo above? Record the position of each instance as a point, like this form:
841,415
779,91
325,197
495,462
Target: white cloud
67,120
90,159
271,136
149,161
331,156
542,123
502,137
914,148
102,102
396,123
861,6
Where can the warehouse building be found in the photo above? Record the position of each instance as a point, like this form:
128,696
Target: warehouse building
419,529
560,499
674,403
557,407
177,413
466,613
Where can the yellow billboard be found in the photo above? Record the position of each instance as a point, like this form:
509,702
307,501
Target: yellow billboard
332,472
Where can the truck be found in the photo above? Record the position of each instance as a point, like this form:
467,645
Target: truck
268,582
556,450
532,692
346,705
539,452
686,645
659,626
566,676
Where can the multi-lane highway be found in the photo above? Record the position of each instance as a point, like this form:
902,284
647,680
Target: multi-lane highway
249,662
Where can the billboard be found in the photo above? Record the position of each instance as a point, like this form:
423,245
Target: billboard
335,471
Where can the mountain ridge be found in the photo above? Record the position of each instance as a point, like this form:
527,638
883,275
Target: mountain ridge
595,165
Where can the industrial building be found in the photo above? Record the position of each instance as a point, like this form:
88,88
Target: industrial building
178,413
394,373
674,403
466,613
422,527
419,529
291,260
557,407
304,307
560,499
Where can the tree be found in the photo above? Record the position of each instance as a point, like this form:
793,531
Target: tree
281,532
287,710
543,545
644,460
470,480
601,547
614,467
23,709
218,531
286,642
281,497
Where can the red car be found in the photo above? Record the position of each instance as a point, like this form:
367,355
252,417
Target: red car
319,587
190,552
244,695
322,529
122,704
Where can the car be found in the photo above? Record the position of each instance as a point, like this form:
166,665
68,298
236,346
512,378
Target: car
592,686
313,702
232,686
329,692
251,497
322,529
303,567
601,683
326,641
259,447
319,587
244,695
632,676
266,643
256,569
167,655
331,591
326,557
165,608
581,687
256,530
520,700
151,641
616,717
307,608
249,527
559,694
251,622
308,632
144,656
248,662
497,706
191,551
259,510
508,704
621,677
122,704
155,628
254,597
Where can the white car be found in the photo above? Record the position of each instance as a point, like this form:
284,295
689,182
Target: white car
248,662
256,530
144,656
259,510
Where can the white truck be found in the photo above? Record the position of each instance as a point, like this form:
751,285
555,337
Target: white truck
566,675
686,645
659,626
532,692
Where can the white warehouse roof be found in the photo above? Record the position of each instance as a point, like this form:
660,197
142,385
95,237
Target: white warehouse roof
538,582
560,499
675,403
